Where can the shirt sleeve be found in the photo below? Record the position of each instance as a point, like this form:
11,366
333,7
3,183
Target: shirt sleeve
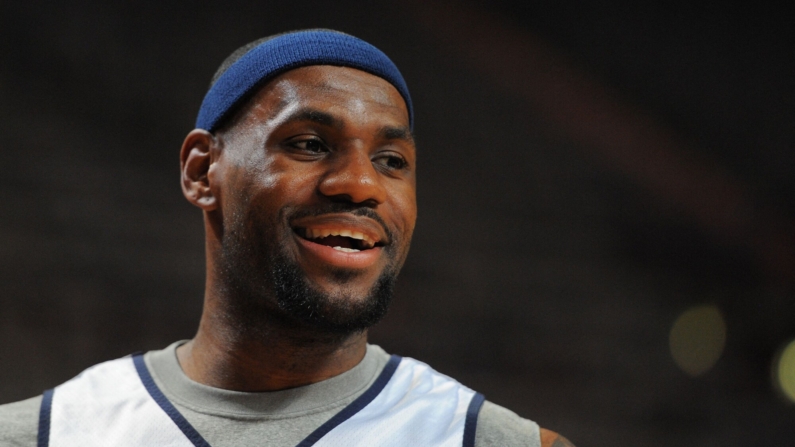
498,426
19,423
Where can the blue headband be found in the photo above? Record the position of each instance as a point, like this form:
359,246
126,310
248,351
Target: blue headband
289,51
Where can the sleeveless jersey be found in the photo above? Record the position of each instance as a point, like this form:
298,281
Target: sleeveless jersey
117,403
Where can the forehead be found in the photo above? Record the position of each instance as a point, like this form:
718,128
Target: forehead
345,92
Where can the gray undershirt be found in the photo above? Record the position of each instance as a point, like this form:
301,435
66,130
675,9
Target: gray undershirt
275,419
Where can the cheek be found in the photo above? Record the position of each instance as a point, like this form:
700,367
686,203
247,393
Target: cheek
281,182
404,204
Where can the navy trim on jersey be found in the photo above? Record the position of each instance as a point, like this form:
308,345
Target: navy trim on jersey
43,439
471,422
355,406
183,424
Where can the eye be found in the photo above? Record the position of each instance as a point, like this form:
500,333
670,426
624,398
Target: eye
392,161
311,145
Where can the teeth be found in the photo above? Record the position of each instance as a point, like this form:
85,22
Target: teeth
318,233
346,250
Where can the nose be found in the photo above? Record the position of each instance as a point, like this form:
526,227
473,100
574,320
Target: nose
352,177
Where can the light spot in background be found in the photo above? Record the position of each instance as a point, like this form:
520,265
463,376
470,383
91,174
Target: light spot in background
784,371
697,339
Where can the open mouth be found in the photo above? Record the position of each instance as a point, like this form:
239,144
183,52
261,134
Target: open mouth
340,239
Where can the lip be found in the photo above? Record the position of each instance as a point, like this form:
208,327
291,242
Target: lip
358,260
365,225
329,256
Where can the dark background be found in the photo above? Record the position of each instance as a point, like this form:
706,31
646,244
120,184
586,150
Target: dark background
588,172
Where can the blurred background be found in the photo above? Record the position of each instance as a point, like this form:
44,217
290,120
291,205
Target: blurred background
606,237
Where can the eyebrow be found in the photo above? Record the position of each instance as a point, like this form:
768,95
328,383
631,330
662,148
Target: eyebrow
396,133
329,120
315,116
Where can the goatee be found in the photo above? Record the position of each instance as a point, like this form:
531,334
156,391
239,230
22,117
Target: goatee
265,286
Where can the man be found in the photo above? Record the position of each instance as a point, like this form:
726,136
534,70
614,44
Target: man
303,163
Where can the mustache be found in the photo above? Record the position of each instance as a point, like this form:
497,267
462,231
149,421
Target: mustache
340,208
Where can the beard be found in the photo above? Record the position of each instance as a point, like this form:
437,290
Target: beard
265,286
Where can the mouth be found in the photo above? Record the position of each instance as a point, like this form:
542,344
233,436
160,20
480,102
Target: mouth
341,240
346,240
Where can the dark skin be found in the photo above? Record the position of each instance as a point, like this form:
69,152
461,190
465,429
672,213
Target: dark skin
551,439
311,136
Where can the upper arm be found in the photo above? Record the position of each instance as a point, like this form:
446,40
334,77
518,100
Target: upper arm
551,439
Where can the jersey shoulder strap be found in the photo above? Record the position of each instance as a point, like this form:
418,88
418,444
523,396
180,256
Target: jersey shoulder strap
414,405
111,404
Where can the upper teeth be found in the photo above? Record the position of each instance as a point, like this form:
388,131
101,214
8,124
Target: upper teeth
317,233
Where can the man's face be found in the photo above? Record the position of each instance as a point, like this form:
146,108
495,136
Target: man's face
316,186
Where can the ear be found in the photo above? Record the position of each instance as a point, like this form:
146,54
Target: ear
196,159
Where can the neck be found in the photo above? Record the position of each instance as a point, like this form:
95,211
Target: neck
223,356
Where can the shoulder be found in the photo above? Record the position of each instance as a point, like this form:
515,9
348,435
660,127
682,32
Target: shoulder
19,422
498,426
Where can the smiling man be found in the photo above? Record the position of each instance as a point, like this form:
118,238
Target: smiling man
304,165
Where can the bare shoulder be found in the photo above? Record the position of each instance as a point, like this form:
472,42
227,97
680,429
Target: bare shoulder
551,439
19,423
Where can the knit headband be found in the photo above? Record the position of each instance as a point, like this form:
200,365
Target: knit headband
286,52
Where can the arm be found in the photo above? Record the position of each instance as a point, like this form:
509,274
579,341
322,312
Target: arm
551,439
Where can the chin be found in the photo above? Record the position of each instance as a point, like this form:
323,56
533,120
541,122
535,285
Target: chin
339,308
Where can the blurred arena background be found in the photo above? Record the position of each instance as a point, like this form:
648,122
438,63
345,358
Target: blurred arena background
606,239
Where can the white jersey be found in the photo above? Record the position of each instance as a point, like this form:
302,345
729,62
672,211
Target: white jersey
117,403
